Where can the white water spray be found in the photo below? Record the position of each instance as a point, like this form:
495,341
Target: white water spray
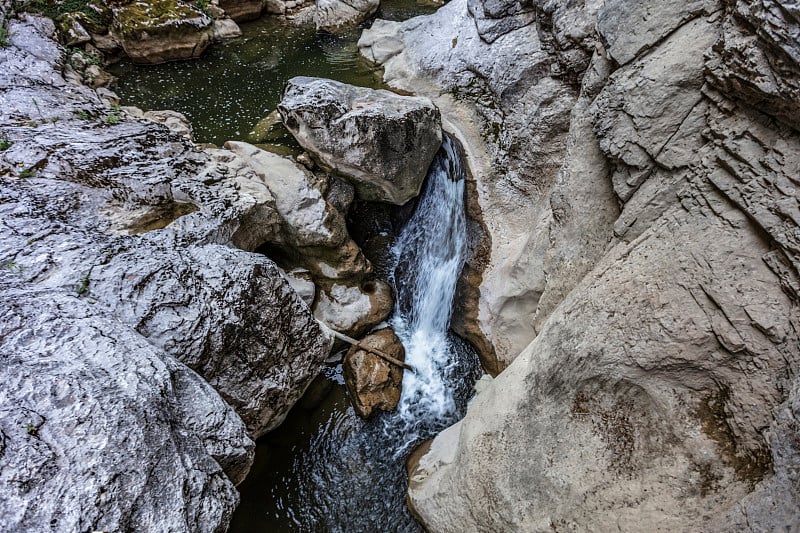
429,255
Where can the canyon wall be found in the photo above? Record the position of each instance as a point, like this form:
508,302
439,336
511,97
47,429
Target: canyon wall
636,166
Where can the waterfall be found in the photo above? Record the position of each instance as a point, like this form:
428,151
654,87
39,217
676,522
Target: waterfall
429,255
348,474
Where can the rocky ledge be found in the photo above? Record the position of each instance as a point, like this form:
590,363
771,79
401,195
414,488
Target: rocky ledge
636,167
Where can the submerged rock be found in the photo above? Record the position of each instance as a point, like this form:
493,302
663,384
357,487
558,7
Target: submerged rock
382,142
337,15
373,382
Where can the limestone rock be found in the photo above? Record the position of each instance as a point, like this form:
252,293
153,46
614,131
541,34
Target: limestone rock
495,18
162,30
118,270
380,141
352,310
71,30
176,122
309,219
242,10
630,28
225,29
338,15
372,382
101,429
514,143
641,166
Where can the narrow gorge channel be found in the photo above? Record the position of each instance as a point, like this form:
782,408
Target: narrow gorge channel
325,468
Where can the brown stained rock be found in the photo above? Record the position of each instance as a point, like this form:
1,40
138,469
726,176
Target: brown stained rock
372,382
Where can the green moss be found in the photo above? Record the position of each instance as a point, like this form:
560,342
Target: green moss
5,144
4,42
146,15
93,14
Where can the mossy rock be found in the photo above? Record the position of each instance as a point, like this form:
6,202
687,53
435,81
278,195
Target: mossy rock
158,17
154,31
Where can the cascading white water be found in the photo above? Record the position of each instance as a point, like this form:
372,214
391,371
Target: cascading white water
429,255
349,474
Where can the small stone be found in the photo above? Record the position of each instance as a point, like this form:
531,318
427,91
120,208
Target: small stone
373,382
305,160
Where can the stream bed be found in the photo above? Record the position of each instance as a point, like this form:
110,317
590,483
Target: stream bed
326,469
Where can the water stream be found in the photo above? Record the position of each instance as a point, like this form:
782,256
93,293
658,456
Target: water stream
328,470
325,469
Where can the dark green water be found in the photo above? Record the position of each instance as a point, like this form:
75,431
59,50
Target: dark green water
228,90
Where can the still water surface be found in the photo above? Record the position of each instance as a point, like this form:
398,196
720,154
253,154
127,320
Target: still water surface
225,92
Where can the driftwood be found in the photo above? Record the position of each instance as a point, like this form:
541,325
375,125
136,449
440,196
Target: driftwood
379,353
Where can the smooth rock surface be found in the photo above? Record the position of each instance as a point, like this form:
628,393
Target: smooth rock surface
372,382
642,212
380,141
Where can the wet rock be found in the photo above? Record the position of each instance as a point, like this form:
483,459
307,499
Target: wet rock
380,141
372,382
162,30
338,15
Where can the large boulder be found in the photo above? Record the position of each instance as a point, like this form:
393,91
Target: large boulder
313,236
339,15
162,30
372,381
101,429
380,141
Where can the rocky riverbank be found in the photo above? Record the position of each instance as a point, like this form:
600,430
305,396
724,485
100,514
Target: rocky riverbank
140,361
642,289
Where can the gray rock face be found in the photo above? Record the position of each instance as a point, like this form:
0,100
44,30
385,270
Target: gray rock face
652,263
118,261
338,15
101,430
380,141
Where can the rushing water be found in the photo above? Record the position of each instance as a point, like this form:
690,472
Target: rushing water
345,474
325,469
